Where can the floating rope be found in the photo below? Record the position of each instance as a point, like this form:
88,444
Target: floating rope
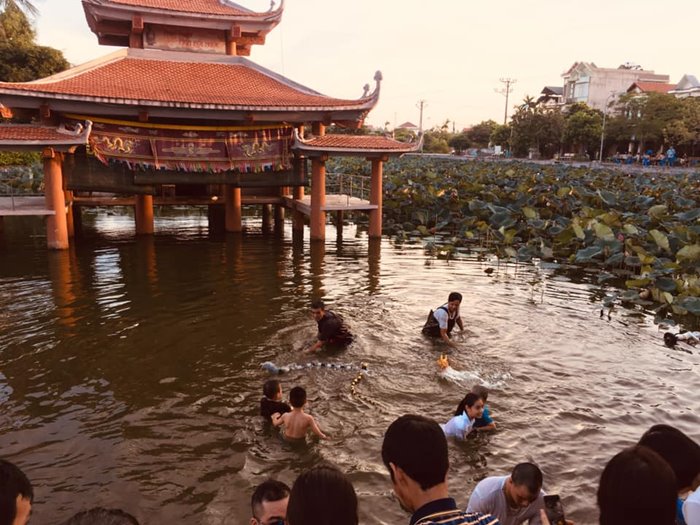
278,370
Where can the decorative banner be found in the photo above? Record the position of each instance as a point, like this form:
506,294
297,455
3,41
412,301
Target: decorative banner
193,149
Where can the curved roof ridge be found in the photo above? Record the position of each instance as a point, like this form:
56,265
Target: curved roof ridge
77,70
203,7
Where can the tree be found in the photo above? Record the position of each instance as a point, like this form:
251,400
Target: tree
651,117
15,27
25,5
21,60
459,142
500,135
583,126
436,140
535,128
480,134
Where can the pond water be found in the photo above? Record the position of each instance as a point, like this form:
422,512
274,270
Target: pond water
130,368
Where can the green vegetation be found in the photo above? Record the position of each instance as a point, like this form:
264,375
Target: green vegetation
640,231
21,59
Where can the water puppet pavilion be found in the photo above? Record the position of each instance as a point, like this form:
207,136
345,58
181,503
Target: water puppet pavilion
181,116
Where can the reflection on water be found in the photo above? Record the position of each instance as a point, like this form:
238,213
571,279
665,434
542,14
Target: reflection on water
130,368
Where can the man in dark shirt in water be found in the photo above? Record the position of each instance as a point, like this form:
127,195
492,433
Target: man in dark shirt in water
272,402
331,328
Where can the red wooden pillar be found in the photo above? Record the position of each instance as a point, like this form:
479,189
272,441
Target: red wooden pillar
69,213
318,199
234,221
56,225
143,214
266,217
375,197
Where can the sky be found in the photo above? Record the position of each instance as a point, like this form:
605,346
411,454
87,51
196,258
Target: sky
449,53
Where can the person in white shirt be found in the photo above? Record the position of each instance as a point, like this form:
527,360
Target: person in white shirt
513,499
443,319
470,408
692,338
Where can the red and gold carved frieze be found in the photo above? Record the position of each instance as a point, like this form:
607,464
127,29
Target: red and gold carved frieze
196,150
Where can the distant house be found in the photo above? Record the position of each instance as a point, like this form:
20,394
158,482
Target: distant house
410,126
550,97
586,82
687,87
640,88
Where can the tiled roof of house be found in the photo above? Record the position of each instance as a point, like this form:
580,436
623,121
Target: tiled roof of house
207,7
27,135
158,78
652,87
340,144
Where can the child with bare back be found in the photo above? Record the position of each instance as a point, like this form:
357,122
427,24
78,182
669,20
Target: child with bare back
297,423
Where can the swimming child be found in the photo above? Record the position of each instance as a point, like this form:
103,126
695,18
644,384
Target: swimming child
272,402
485,422
470,408
692,338
297,423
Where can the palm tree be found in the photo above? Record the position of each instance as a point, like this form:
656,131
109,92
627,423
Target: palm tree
25,5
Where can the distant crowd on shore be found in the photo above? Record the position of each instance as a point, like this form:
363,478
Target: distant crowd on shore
654,482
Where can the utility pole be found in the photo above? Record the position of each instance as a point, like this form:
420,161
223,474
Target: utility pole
505,91
420,105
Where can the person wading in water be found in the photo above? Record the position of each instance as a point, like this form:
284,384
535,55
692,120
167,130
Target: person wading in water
331,328
442,320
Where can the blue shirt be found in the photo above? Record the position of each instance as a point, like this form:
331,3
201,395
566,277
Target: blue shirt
445,512
484,420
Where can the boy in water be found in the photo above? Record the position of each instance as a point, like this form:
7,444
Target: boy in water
692,338
297,423
272,402
485,422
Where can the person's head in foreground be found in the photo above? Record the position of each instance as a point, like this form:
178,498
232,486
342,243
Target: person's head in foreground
637,487
322,495
102,516
523,486
268,504
678,450
415,453
16,495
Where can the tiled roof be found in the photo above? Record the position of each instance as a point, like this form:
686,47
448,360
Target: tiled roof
353,144
653,87
149,78
372,142
38,135
207,7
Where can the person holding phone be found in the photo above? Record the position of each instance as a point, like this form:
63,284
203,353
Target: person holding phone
513,499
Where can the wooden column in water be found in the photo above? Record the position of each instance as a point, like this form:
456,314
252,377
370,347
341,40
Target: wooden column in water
56,225
266,217
298,194
279,212
143,214
375,197
69,213
318,190
234,222
318,199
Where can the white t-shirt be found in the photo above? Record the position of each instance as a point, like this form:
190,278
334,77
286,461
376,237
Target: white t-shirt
442,316
458,426
689,336
691,508
488,498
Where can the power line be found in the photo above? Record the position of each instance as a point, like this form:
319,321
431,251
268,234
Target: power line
505,91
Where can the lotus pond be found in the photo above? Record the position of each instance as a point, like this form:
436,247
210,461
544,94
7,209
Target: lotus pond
639,231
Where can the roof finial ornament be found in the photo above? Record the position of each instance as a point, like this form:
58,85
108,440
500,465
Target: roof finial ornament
272,5
366,92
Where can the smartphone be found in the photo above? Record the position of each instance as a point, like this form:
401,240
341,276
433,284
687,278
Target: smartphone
554,509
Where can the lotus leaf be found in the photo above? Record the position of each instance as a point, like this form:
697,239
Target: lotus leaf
603,231
689,215
615,259
660,239
630,229
658,211
637,283
691,304
510,251
607,197
586,254
529,213
577,229
666,284
688,253
422,229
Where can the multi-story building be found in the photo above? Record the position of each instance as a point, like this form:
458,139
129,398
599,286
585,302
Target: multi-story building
586,82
